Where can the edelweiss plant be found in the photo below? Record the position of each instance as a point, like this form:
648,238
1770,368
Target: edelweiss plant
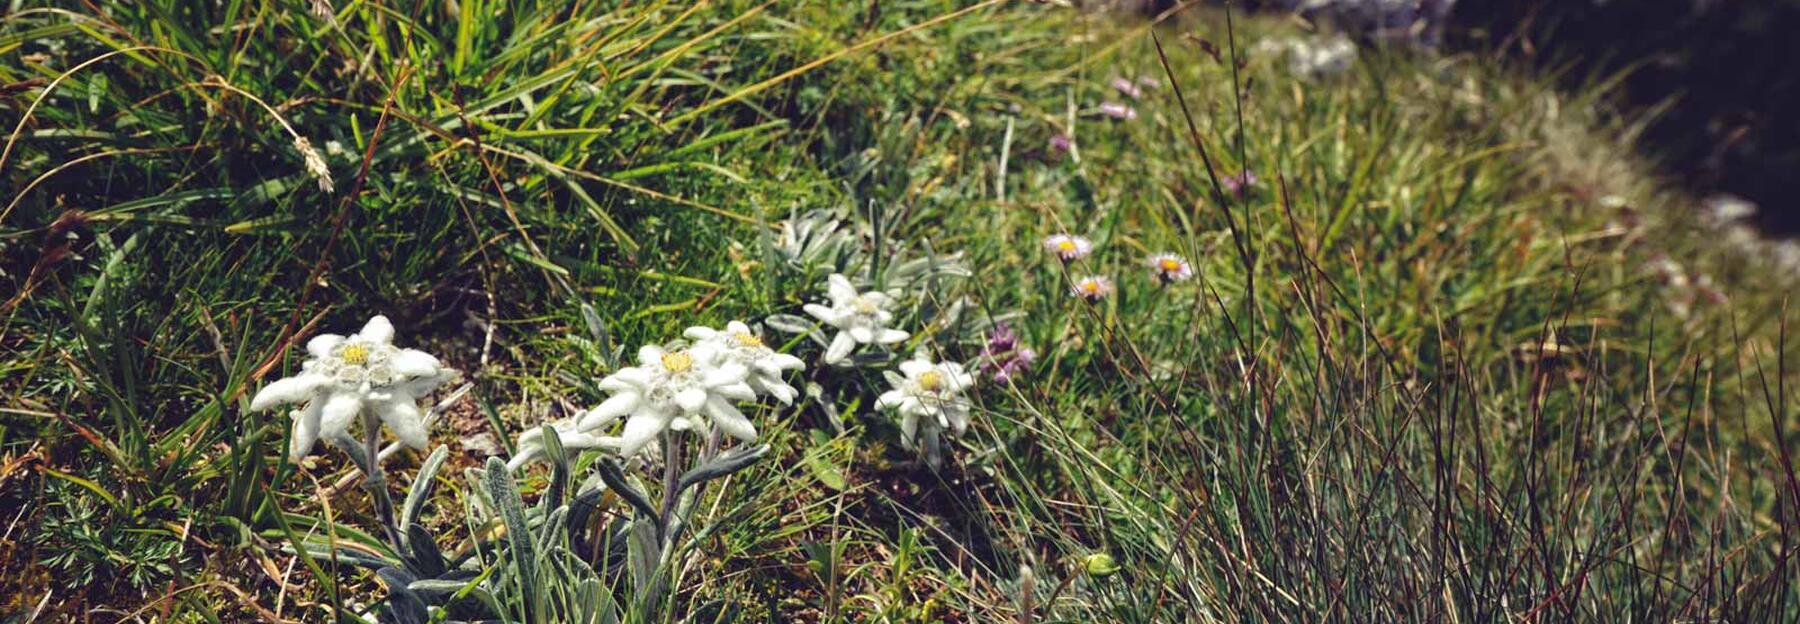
364,374
696,388
686,389
765,365
860,317
929,400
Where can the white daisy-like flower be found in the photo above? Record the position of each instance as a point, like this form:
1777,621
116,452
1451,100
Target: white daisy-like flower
861,318
1170,268
1068,247
933,392
680,390
766,367
1092,287
346,375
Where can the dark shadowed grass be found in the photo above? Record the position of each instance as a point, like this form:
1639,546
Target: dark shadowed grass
1423,373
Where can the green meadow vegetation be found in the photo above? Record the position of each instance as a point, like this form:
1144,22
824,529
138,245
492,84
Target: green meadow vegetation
1455,356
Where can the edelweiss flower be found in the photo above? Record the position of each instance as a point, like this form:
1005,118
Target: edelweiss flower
1068,247
930,391
680,390
346,375
861,318
765,366
1170,268
1092,287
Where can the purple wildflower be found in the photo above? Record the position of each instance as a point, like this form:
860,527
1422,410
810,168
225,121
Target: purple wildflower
1060,143
1240,184
1003,357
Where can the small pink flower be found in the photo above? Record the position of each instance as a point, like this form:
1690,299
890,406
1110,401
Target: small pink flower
1092,288
1119,111
1127,87
1060,143
1239,185
1068,247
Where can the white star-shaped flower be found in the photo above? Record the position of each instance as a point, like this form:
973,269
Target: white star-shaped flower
930,391
680,390
766,366
861,318
345,376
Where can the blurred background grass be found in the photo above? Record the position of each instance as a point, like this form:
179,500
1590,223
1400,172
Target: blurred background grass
1456,356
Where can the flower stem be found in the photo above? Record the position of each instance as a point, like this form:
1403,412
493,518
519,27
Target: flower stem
671,479
376,479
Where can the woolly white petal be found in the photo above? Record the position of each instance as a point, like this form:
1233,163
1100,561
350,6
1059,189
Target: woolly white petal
960,380
737,327
402,416
336,414
891,336
909,429
740,391
650,354
784,361
289,390
890,399
722,374
914,368
840,289
959,418
414,363
699,333
424,385
729,420
861,333
691,399
824,314
306,430
378,330
525,456
609,410
321,345
640,429
840,348
629,379
781,391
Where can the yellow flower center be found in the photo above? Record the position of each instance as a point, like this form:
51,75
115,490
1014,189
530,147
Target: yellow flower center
677,362
1170,264
866,306
931,381
1066,246
746,339
1090,287
355,354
